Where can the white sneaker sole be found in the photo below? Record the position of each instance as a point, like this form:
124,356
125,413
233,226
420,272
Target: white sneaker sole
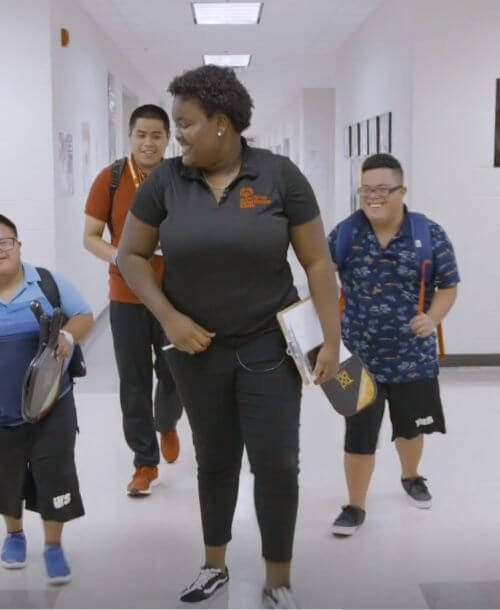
217,593
135,493
13,565
344,530
269,602
420,504
59,580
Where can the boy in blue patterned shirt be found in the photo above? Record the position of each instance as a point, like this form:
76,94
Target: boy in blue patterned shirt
381,323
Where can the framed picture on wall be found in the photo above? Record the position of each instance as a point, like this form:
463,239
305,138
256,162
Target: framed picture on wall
112,117
373,136
348,142
497,127
363,138
356,134
385,132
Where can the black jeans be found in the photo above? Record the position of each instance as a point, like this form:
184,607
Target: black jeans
135,332
230,407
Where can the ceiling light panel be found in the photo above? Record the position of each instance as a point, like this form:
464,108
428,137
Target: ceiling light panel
226,13
228,61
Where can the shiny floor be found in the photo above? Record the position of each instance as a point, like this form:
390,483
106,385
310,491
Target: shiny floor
130,553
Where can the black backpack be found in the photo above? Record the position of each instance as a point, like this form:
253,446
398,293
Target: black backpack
49,288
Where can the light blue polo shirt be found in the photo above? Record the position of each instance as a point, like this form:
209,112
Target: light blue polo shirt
19,335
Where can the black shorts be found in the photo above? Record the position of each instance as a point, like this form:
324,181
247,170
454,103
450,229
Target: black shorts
37,464
415,408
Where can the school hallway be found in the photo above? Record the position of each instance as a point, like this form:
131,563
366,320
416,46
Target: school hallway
140,553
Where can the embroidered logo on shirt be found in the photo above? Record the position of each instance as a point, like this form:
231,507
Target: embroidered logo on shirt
248,199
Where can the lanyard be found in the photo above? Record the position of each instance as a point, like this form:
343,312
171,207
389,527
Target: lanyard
137,176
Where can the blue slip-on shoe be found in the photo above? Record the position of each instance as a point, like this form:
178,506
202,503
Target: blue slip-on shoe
13,554
58,570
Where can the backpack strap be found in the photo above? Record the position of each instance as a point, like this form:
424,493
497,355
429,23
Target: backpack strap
49,287
421,235
116,173
345,234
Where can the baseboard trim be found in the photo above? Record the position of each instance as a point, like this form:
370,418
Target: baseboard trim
452,360
470,360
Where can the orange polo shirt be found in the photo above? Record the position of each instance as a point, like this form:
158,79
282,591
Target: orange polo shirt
98,206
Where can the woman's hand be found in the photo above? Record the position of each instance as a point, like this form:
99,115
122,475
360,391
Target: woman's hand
186,335
327,364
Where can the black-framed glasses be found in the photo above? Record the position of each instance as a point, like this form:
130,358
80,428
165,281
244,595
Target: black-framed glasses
378,191
7,243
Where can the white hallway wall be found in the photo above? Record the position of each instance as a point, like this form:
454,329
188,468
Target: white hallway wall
432,64
374,76
26,166
308,121
457,46
79,87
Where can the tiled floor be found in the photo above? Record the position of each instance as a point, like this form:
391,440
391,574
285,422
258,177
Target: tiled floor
128,553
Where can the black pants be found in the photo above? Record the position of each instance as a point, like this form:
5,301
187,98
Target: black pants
135,332
37,464
230,407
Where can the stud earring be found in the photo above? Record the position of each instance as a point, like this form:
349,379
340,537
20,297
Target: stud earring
219,133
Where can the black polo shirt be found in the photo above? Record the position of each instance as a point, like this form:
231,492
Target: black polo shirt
227,262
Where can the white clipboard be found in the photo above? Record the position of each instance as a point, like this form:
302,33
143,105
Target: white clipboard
302,330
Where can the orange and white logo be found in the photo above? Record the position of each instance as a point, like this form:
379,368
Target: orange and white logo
248,198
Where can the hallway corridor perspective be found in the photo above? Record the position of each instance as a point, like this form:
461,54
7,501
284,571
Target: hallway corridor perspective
140,553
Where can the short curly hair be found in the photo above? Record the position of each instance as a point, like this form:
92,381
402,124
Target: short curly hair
218,90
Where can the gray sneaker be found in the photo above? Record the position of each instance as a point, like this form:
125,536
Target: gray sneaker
417,491
349,520
281,597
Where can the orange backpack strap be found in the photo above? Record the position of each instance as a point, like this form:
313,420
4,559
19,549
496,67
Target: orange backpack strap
341,302
421,306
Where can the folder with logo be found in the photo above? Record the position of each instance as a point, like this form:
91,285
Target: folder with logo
353,388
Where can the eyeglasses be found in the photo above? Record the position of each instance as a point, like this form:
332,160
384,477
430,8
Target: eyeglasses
7,243
378,191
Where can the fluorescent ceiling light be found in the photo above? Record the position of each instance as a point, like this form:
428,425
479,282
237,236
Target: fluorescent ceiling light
226,13
228,61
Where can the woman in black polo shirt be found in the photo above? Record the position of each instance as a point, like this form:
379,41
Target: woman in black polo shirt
228,213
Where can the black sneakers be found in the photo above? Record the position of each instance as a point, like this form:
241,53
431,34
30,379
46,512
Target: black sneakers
417,491
208,582
349,520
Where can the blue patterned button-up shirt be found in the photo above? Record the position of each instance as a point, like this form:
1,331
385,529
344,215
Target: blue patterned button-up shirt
381,287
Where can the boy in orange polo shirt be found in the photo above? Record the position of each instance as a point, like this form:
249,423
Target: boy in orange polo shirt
135,330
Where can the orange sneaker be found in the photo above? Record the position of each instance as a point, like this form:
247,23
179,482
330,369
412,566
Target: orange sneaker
144,478
170,446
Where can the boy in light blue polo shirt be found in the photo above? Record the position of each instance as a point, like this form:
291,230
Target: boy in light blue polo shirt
36,460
